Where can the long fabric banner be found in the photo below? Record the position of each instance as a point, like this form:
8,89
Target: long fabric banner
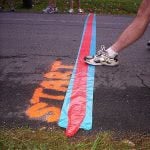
78,104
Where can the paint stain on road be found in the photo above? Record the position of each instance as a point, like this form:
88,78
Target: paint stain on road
54,80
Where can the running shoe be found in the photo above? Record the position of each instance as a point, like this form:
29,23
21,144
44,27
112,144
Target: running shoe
50,10
71,11
1,9
101,58
80,10
148,43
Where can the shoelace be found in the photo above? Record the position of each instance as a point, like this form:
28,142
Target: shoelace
101,51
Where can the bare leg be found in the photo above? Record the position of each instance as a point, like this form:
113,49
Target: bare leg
132,33
79,6
11,4
2,3
52,3
71,4
136,29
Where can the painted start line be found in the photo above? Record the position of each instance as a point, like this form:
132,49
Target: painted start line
78,103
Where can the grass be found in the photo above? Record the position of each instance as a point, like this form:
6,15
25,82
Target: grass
97,6
47,139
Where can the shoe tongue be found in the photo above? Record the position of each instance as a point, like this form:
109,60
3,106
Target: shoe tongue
100,52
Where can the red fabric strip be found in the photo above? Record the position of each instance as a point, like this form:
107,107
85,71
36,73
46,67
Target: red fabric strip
77,107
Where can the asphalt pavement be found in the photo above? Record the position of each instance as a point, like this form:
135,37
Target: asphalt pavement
37,55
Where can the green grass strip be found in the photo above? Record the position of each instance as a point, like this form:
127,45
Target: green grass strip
54,139
96,6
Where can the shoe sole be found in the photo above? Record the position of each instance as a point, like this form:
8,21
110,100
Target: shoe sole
91,61
110,65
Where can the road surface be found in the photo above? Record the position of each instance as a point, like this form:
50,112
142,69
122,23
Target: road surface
38,49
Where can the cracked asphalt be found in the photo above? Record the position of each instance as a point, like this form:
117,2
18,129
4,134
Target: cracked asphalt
31,43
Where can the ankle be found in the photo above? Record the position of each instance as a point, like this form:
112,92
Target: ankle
111,52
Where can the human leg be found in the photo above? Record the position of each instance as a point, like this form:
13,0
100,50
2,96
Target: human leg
71,4
71,7
79,7
132,33
51,8
52,3
11,4
2,3
136,29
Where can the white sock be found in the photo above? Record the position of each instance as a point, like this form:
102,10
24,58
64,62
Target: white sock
111,52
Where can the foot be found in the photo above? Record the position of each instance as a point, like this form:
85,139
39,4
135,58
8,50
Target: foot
71,11
50,10
148,43
101,58
1,9
80,10
12,10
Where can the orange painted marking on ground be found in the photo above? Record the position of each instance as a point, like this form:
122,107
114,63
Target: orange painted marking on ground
55,80
55,116
38,110
41,109
39,94
58,65
58,75
58,85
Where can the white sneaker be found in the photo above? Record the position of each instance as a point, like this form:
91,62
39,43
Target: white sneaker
148,43
80,10
50,10
101,58
71,11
